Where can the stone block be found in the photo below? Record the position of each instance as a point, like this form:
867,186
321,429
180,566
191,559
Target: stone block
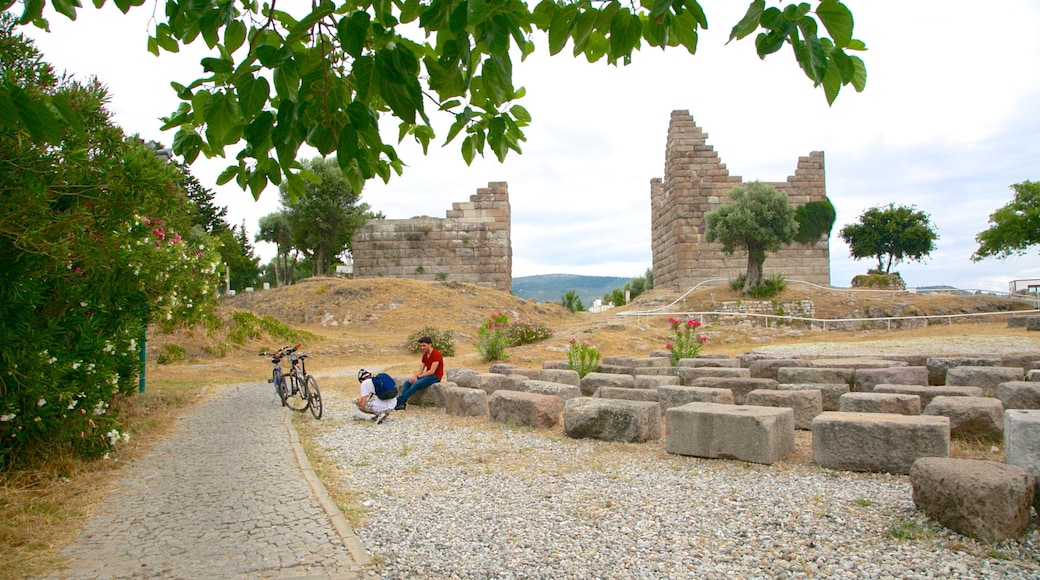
465,378
927,393
1033,375
556,365
502,368
687,375
986,378
676,396
654,381
880,403
491,382
701,362
828,375
766,368
528,409
939,365
533,374
464,402
650,362
882,442
742,432
1022,443
612,420
1019,394
593,381
986,500
563,391
626,394
740,387
806,404
866,379
431,396
565,376
831,392
855,363
970,417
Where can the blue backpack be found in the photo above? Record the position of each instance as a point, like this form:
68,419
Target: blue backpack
385,386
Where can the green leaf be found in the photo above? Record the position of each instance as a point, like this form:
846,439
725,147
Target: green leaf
187,143
229,173
660,8
253,93
353,31
468,150
583,26
234,35
859,77
560,28
767,43
520,114
625,31
831,82
837,19
217,65
222,116
66,8
749,23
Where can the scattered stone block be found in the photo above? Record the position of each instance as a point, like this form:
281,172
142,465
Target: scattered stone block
742,432
593,381
650,362
1033,375
938,365
814,375
880,403
528,409
676,396
626,394
565,376
855,363
1021,321
806,404
986,500
562,391
687,375
866,379
1022,443
431,396
766,368
709,362
831,392
654,381
491,382
465,378
533,374
986,378
615,370
556,365
1019,394
928,393
612,420
882,442
739,387
502,368
464,402
970,417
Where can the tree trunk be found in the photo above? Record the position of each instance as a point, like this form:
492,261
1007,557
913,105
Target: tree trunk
753,276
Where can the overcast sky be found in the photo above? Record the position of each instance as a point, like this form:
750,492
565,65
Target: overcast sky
949,120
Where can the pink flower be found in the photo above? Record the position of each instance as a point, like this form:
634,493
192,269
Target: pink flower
159,233
668,346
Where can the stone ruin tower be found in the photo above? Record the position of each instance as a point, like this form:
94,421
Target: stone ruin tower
470,244
696,182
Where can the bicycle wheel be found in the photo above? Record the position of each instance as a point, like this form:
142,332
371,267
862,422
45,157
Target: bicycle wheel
279,384
315,397
296,397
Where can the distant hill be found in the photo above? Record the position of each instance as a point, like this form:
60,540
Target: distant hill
551,287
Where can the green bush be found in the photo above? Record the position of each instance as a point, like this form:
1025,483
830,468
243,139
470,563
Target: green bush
443,340
571,301
583,357
492,338
174,353
766,288
525,332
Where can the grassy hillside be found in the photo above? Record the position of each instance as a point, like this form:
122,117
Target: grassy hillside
551,287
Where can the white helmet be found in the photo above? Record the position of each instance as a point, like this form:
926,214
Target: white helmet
362,375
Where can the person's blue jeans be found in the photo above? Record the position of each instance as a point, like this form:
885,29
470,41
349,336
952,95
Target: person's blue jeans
409,389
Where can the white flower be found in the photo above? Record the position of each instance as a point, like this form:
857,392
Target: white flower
52,360
133,345
73,404
99,408
41,402
7,417
113,436
76,365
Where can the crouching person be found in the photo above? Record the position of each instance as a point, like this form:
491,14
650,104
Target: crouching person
378,397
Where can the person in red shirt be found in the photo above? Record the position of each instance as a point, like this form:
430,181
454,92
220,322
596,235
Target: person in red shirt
431,371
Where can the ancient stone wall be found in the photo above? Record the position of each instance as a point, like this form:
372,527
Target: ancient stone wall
470,244
696,182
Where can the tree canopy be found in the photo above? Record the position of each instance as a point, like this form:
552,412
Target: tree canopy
323,74
759,219
892,235
1014,227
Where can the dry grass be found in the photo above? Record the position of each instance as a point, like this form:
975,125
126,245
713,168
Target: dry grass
366,323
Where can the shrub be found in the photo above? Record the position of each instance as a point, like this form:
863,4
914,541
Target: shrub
174,353
443,340
571,301
766,288
525,332
582,357
686,342
491,338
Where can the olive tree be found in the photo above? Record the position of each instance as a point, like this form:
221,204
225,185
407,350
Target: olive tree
1015,227
759,219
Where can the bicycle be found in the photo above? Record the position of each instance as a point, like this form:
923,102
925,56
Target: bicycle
296,389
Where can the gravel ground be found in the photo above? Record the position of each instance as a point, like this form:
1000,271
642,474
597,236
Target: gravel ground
446,497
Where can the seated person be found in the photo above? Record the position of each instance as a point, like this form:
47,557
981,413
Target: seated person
431,371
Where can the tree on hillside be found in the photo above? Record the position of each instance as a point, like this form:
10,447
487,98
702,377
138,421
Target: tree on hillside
892,235
322,220
274,228
1015,227
571,301
759,219
322,74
